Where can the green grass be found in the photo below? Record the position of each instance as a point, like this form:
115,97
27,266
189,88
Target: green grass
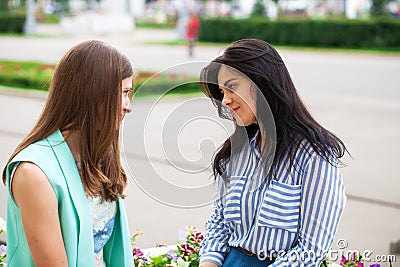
26,74
31,76
50,19
153,25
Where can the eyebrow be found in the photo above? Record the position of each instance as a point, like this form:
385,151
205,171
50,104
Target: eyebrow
228,81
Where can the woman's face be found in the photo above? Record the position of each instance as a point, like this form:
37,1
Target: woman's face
237,96
126,101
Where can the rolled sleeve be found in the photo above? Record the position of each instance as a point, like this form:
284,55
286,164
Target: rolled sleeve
214,257
215,244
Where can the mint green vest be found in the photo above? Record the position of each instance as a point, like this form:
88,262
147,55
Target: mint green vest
53,156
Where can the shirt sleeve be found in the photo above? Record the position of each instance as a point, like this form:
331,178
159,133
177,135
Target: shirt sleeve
215,244
322,203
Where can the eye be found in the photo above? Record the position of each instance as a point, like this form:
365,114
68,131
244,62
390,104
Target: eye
126,92
231,86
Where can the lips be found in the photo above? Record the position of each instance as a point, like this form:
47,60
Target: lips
122,116
235,109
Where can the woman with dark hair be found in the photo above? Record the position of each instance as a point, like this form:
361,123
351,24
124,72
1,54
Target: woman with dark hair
65,180
279,194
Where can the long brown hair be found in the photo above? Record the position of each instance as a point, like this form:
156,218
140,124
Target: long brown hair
85,96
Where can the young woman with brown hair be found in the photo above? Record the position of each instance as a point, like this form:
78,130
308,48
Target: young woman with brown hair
65,180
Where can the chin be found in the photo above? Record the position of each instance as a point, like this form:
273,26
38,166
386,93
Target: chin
244,122
241,123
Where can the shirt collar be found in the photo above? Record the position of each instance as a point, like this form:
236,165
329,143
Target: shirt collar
254,138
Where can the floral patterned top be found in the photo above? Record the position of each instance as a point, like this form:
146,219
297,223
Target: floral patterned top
103,219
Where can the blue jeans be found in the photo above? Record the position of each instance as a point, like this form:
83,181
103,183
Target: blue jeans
237,258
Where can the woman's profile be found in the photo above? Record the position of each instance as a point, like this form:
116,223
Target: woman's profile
65,181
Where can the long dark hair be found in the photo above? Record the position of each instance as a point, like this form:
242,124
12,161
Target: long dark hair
86,86
262,64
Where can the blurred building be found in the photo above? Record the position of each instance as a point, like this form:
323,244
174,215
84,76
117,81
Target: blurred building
243,8
308,8
104,16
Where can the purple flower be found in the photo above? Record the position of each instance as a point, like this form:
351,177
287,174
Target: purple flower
182,235
375,265
343,260
3,250
172,255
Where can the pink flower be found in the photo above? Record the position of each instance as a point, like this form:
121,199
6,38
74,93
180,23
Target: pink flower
137,252
353,257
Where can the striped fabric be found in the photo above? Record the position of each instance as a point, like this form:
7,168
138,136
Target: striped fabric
294,217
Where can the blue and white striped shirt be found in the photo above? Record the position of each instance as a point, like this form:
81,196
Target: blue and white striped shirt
294,217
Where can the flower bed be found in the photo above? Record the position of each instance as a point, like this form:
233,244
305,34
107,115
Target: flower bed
3,248
186,253
37,76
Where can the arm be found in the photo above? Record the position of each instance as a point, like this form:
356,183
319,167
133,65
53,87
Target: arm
215,243
38,206
322,204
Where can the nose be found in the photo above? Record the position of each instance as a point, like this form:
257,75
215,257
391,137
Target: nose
226,100
127,106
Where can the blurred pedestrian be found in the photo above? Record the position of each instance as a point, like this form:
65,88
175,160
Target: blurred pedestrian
192,31
65,180
279,194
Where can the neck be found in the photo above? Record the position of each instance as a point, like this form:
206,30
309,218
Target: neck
72,139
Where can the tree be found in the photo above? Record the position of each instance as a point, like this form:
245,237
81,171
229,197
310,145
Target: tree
3,5
258,9
378,7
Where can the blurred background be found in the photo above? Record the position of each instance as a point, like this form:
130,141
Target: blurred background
72,14
343,56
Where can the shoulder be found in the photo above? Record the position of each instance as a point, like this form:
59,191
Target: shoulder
29,169
29,174
308,159
30,181
38,157
37,150
306,149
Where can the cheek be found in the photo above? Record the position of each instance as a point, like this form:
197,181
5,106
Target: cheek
249,103
249,116
123,100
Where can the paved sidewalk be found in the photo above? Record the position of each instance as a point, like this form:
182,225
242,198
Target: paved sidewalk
355,95
50,47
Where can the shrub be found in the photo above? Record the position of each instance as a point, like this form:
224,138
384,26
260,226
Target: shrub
376,34
12,23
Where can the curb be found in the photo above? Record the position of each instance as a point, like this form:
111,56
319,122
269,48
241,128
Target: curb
31,93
